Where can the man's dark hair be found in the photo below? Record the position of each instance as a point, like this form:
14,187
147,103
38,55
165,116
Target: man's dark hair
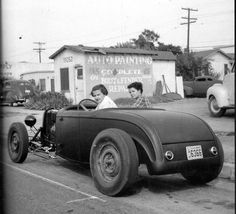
137,85
100,87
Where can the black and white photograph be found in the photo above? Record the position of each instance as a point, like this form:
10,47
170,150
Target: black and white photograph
117,107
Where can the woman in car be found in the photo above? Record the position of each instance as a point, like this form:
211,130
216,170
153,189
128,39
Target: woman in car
99,93
136,92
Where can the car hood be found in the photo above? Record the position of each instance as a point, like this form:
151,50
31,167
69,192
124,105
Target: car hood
171,126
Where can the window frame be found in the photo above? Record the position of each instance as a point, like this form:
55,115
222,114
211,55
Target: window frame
63,84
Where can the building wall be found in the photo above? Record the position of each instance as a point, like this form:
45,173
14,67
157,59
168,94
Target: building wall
36,76
17,68
115,71
217,62
68,59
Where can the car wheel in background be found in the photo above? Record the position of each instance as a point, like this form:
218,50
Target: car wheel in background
18,142
113,161
214,109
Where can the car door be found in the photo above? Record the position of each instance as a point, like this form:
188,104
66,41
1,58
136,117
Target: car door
67,134
200,86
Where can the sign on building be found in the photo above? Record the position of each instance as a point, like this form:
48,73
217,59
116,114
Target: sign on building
118,71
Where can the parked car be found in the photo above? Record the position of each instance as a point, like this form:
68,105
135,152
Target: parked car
16,91
220,97
198,87
114,142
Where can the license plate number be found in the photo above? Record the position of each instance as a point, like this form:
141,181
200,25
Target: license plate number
194,152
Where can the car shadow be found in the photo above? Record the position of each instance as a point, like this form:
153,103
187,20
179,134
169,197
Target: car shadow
229,113
79,168
165,184
160,184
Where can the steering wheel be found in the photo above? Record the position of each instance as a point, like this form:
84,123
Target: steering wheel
87,102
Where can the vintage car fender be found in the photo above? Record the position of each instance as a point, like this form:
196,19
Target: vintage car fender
188,91
220,93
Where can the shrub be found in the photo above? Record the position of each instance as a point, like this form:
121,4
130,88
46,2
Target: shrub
46,100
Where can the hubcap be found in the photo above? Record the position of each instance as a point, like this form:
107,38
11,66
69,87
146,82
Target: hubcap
14,144
109,162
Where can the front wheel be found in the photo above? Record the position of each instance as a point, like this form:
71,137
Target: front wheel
113,161
214,109
18,142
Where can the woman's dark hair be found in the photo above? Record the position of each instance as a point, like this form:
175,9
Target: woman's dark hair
137,85
100,87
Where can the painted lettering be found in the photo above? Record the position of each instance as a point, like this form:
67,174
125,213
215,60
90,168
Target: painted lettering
67,59
119,60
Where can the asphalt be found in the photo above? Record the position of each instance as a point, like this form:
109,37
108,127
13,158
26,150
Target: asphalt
227,138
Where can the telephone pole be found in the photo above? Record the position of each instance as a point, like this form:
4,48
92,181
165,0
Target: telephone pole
39,49
189,21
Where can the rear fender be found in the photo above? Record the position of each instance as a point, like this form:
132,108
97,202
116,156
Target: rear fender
220,93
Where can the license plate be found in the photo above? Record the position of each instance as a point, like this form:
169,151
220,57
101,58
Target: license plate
194,152
27,91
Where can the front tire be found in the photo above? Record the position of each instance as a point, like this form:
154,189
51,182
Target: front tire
113,161
214,109
18,142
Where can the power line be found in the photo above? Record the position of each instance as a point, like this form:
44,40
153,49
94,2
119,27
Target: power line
188,23
40,49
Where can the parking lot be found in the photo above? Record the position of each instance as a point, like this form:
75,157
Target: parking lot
42,185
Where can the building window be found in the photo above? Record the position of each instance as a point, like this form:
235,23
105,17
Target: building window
42,84
52,85
64,79
80,73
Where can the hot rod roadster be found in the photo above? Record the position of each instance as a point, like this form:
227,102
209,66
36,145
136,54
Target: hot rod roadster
114,142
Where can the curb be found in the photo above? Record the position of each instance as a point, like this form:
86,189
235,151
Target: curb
228,171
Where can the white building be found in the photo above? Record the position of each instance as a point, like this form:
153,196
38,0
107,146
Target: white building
78,68
44,80
41,73
220,61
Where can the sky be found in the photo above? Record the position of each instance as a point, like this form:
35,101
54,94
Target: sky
105,23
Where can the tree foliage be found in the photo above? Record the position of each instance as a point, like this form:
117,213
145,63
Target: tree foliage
176,50
189,66
146,40
129,44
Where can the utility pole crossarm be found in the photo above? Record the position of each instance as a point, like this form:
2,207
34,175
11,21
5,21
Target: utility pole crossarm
40,49
189,21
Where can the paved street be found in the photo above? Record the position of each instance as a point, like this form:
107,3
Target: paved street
41,186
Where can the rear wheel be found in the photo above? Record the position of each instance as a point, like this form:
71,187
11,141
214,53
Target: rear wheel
214,109
113,161
18,142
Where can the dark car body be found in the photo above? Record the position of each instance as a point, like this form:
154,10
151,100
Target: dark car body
198,87
154,131
16,91
114,142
